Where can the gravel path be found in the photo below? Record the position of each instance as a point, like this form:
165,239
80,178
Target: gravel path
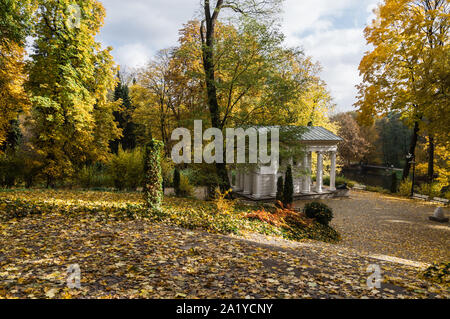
376,224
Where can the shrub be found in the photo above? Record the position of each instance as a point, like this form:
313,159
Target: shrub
222,203
288,192
153,192
432,190
126,169
280,188
167,171
405,188
318,211
185,187
94,176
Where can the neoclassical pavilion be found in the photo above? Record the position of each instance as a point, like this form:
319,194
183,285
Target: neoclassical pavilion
262,182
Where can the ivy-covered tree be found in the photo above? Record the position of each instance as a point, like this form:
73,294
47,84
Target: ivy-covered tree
153,188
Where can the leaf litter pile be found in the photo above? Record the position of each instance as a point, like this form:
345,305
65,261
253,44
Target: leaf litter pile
142,258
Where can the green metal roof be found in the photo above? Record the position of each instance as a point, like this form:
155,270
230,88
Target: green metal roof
318,133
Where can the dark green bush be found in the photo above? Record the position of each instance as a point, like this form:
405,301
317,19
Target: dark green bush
320,212
288,192
280,189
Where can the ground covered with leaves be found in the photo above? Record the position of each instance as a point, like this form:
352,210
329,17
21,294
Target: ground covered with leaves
373,223
143,258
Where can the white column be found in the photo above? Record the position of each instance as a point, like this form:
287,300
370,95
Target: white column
248,184
319,175
333,172
257,185
307,178
274,185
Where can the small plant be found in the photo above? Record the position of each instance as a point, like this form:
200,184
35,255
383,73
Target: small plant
320,212
405,188
288,192
224,205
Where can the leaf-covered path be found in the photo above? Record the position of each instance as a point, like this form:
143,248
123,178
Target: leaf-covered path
139,259
378,224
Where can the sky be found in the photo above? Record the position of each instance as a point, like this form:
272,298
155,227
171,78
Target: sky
331,31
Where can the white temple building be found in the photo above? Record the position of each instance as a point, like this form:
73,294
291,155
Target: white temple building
262,182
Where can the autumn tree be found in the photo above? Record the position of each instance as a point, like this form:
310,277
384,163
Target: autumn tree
15,17
407,71
70,79
212,12
354,146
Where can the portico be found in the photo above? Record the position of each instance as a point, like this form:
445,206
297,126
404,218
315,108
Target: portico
261,183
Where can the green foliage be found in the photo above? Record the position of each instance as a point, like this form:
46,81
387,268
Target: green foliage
10,169
95,176
186,188
405,188
167,170
340,180
126,169
176,181
280,189
320,212
288,191
432,190
153,191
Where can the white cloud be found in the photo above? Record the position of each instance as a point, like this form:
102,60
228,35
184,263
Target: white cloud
132,55
323,29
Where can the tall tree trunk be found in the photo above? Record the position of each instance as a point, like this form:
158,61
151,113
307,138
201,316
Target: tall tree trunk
431,148
412,150
208,39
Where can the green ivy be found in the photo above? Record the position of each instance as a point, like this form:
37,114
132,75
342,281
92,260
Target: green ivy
153,181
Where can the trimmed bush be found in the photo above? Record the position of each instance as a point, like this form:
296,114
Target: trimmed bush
288,192
320,212
153,191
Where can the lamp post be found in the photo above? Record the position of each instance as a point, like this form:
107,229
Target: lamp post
412,158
